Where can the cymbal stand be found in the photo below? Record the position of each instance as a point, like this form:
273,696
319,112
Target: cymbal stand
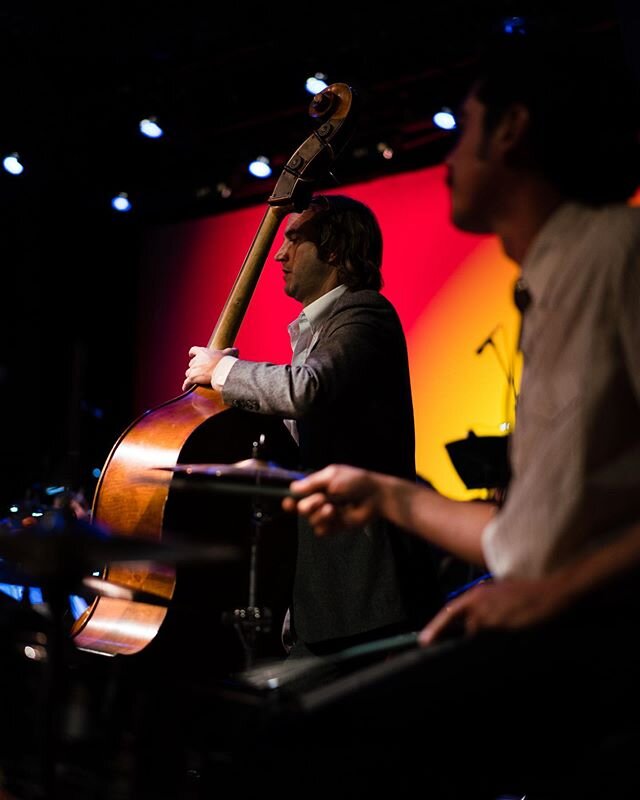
252,620
57,688
51,645
69,721
58,576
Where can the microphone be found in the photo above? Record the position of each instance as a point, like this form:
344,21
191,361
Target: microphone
487,341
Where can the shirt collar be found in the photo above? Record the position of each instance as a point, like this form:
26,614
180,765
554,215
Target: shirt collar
318,311
537,269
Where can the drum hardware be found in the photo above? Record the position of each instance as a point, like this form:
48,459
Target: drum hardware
249,477
108,588
250,468
252,620
260,480
295,674
62,550
57,556
64,557
206,484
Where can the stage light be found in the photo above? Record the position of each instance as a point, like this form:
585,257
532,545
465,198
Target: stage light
260,168
35,595
223,190
149,127
514,25
385,151
121,202
444,119
12,164
35,652
12,590
316,83
78,605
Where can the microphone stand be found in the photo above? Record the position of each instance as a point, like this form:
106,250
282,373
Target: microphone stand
508,372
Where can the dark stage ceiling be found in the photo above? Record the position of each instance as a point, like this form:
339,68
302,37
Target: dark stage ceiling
227,84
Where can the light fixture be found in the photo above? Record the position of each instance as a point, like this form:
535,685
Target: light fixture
385,151
514,25
444,119
121,202
12,164
260,168
316,83
149,127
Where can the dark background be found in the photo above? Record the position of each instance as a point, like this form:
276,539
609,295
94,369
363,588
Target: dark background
77,81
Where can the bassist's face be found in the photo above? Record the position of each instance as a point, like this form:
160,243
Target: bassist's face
306,276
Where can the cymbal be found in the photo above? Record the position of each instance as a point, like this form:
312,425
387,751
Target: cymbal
77,548
14,577
254,490
251,469
105,588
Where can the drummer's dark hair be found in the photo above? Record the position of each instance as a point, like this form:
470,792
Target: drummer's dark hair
583,109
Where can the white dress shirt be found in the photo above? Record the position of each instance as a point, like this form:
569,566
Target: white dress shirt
303,334
576,445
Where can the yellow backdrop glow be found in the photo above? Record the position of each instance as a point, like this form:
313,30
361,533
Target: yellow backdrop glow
455,389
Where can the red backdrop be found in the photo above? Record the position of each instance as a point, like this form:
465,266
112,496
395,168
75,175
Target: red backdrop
451,289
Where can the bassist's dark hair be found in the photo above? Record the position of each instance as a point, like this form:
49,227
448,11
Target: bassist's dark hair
347,234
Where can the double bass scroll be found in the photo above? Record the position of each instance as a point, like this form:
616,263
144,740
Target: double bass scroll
130,503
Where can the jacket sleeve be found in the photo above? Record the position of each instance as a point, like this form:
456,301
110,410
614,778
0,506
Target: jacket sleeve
353,343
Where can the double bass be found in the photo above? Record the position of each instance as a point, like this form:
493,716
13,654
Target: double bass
132,498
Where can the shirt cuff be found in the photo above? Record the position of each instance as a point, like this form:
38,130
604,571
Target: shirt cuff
221,371
491,557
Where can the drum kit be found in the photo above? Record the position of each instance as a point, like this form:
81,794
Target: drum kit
63,554
63,557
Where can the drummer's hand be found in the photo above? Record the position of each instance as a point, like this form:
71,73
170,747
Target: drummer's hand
203,362
335,497
508,604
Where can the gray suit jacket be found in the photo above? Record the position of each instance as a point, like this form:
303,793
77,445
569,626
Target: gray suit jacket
352,400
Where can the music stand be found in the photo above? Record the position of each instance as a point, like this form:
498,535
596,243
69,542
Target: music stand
482,462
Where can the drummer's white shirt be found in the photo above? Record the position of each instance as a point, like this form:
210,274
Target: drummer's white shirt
576,447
